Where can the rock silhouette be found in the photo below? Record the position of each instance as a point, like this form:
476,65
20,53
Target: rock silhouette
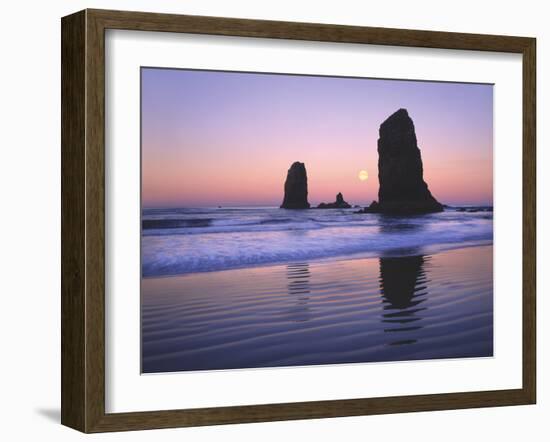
296,188
338,204
403,190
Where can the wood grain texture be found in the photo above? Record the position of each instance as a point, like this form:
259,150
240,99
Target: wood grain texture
145,21
83,220
95,222
73,128
529,220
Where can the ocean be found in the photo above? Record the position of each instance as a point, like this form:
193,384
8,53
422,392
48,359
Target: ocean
256,287
179,241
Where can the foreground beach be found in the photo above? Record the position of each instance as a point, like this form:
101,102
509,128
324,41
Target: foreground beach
327,311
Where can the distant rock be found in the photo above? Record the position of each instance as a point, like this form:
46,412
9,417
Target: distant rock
338,204
403,190
296,188
372,208
474,209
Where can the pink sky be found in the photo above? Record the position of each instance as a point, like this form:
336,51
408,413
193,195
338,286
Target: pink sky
216,138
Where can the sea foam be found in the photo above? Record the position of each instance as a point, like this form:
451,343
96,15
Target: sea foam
179,241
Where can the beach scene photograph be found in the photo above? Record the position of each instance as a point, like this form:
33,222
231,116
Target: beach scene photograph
302,220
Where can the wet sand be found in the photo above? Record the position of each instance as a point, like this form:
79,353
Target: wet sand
322,312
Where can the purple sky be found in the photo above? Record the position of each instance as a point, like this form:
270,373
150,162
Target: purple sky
222,138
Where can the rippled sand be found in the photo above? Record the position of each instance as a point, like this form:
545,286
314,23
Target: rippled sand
324,312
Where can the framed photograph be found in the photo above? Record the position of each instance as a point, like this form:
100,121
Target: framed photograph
269,220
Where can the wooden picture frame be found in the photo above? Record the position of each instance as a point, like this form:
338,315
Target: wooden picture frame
83,220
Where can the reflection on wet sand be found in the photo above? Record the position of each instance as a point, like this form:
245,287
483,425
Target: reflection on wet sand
403,286
298,276
324,312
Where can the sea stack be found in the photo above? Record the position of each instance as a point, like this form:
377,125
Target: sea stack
296,188
340,203
403,190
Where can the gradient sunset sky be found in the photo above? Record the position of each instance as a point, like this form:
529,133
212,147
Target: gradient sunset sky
225,138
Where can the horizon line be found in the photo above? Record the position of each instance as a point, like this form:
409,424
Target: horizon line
277,206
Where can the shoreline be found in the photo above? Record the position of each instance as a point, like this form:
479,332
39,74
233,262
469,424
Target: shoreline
432,249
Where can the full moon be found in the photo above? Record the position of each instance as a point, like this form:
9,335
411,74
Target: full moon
363,175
